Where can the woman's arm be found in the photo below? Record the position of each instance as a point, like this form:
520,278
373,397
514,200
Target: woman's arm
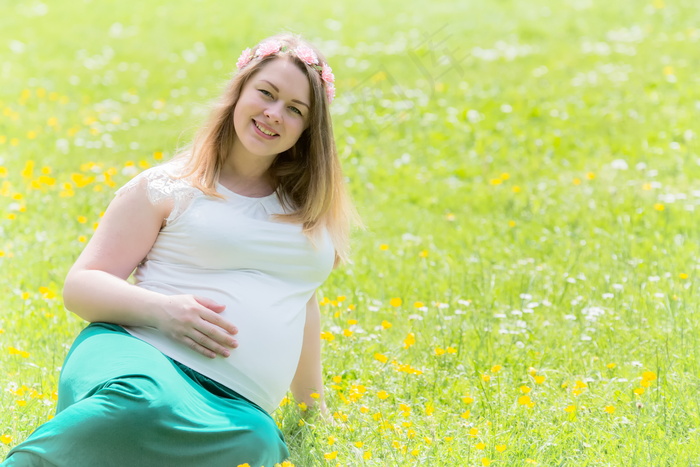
309,377
96,288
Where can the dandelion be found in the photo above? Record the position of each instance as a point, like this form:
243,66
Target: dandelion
409,340
244,465
423,254
539,379
384,247
382,394
609,409
496,368
47,293
611,365
386,324
500,447
347,332
659,206
327,336
381,357
395,302
6,439
429,410
485,378
28,171
467,399
524,400
480,446
367,455
639,391
331,455
570,409
485,461
511,223
525,389
418,304
21,353
465,415
590,175
649,376
473,432
516,189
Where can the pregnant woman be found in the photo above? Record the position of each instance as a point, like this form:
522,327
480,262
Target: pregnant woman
227,244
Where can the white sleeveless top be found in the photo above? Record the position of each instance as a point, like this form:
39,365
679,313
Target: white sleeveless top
231,251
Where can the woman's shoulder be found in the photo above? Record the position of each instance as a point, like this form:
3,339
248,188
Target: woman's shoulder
160,182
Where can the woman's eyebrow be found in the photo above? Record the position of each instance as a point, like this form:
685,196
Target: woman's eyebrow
278,90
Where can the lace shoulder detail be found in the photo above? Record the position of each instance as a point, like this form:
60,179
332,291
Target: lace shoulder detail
163,186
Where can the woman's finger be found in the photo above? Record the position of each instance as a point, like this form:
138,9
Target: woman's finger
216,334
202,340
192,344
219,321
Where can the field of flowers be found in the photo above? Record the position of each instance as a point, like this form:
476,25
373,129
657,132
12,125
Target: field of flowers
525,292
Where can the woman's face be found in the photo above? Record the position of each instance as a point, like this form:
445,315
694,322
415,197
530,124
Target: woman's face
272,110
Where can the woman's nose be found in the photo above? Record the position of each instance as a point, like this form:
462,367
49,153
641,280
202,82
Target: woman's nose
274,112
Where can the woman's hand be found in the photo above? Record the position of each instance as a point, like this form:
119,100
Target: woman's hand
196,322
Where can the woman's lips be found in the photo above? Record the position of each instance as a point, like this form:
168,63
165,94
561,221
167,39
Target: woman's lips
260,127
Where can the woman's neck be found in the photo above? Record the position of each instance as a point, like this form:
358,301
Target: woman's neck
251,179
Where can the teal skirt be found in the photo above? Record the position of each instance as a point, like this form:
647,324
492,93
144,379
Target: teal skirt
122,402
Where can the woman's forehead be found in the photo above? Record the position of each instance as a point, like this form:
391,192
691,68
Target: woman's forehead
285,76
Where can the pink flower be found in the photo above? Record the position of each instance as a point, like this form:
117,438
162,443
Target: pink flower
268,48
306,55
330,92
327,74
244,59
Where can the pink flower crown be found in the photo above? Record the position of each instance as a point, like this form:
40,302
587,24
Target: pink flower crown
302,52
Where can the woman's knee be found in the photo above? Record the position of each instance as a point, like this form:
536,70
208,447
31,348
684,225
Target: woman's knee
262,442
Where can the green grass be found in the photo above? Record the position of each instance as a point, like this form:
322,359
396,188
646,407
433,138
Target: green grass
528,172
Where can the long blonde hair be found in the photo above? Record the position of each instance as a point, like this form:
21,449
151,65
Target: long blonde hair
308,176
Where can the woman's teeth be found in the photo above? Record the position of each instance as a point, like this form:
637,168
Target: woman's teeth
268,133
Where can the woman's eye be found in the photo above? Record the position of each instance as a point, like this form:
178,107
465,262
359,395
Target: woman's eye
265,92
295,110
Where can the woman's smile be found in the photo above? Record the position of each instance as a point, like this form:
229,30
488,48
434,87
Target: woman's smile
264,129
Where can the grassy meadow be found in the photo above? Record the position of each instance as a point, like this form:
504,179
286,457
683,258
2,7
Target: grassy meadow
525,292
